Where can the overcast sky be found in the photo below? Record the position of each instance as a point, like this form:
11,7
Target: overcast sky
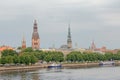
97,20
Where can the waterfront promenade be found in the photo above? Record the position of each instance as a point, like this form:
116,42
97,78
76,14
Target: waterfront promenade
20,68
33,67
40,66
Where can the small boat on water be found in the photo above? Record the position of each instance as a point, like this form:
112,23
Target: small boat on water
54,65
107,63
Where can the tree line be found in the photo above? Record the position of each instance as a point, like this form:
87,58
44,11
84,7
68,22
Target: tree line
29,56
85,56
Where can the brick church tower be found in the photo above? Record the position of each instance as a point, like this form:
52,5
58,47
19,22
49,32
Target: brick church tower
23,43
35,37
93,47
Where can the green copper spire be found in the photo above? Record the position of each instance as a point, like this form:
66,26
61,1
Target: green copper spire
69,33
69,41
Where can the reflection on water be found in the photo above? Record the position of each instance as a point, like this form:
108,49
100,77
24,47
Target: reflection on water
94,73
54,70
19,76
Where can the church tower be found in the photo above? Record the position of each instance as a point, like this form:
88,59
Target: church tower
23,43
93,47
69,41
35,37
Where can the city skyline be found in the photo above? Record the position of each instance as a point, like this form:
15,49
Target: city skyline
90,20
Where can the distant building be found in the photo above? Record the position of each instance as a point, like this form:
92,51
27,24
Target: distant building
2,48
67,46
23,43
46,50
102,50
35,37
64,47
93,46
69,40
80,50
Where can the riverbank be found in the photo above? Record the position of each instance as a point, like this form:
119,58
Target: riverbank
40,66
22,68
80,65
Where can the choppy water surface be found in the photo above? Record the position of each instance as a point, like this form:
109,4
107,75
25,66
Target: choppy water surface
95,73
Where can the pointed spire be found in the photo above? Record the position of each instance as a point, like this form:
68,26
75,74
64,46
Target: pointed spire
35,26
23,42
69,41
93,47
23,38
69,32
35,22
35,36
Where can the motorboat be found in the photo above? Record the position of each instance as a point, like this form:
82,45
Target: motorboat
107,63
54,65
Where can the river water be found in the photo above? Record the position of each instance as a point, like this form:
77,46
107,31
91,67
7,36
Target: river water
94,73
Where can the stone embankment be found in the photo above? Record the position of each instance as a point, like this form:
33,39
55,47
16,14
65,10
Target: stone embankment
35,67
40,66
20,68
80,65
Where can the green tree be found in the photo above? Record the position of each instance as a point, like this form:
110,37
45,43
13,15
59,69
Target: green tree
33,59
48,58
22,59
29,49
109,56
8,52
0,60
85,57
9,59
16,59
100,57
3,60
75,56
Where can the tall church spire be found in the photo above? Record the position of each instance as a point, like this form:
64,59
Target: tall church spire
35,37
35,26
23,43
69,41
69,33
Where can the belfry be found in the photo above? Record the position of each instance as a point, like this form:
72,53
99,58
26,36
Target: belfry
35,37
